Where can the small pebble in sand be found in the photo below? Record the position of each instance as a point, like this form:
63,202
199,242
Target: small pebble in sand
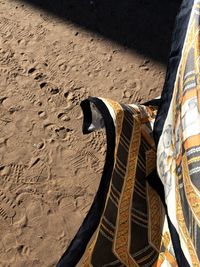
126,94
5,170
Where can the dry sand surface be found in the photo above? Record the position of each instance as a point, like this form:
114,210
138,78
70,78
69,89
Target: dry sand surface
49,171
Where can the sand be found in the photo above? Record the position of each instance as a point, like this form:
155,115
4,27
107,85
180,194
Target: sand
49,171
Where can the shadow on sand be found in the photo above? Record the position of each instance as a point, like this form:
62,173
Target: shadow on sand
144,26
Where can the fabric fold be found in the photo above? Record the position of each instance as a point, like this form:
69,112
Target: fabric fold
78,245
178,158
126,225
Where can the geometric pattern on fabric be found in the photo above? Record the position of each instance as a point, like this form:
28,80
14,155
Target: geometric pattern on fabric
130,232
178,156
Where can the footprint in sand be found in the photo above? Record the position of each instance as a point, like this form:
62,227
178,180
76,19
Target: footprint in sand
23,250
74,97
54,91
5,25
131,96
85,158
97,142
38,76
31,70
6,56
12,173
49,128
30,96
43,84
63,133
51,89
7,207
63,117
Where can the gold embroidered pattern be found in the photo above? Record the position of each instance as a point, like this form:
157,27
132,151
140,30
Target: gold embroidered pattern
121,245
155,208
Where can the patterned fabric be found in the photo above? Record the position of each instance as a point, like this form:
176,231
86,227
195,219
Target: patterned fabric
178,156
130,231
126,217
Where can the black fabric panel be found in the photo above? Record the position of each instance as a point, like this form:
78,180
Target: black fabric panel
155,182
87,116
178,39
180,257
78,245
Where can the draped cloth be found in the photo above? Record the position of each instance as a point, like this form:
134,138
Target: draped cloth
126,224
146,211
177,132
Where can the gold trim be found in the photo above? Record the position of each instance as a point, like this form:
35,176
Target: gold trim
122,234
183,228
191,195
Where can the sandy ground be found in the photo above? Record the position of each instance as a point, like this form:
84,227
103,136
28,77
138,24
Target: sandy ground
49,171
